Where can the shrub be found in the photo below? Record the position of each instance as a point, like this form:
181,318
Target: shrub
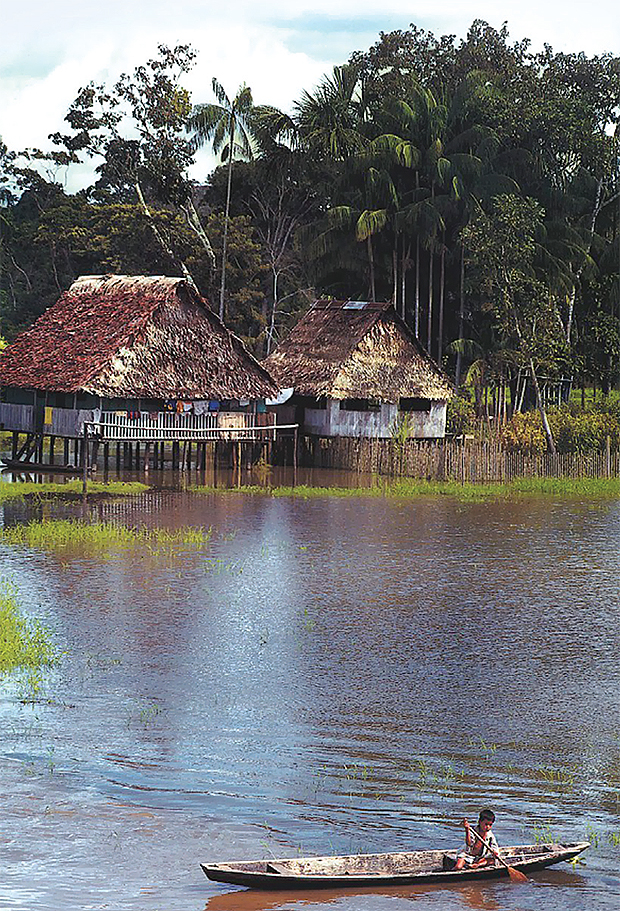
584,431
524,433
460,417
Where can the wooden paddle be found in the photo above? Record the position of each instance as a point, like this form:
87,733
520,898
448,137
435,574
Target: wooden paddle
515,875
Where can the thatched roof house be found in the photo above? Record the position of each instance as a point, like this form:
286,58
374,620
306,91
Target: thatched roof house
355,356
133,337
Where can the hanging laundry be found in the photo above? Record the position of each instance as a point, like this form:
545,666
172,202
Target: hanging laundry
170,405
214,406
201,407
188,406
48,415
180,408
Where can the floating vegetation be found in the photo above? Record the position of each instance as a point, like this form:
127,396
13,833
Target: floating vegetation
25,644
95,537
544,834
443,780
405,488
559,777
148,713
70,490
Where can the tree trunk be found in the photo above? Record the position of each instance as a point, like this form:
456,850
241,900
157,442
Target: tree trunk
459,354
272,322
395,274
429,336
161,239
530,364
226,215
541,408
194,222
403,279
417,287
371,263
442,289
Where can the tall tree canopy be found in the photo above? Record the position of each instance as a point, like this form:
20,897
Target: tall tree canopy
380,182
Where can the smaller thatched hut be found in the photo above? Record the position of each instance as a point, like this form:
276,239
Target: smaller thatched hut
129,346
357,370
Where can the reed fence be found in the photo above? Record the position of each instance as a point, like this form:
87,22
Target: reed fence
447,460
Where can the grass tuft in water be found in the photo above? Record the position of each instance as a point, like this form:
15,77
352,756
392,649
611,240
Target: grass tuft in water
24,644
70,490
59,534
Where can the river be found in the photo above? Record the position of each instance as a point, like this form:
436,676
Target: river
327,675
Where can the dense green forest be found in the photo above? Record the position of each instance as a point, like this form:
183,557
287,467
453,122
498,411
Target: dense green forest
473,182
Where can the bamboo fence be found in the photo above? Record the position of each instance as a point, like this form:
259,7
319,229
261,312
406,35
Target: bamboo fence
469,461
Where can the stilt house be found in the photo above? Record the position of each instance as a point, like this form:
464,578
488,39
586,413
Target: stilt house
140,357
356,370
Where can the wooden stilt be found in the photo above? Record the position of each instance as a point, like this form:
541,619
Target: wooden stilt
52,447
147,456
85,464
65,454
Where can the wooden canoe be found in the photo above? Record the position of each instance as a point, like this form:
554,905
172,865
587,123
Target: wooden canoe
360,870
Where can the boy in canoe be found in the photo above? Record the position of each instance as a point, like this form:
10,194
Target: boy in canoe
476,854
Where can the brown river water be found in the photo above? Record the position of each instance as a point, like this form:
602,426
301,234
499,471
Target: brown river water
327,675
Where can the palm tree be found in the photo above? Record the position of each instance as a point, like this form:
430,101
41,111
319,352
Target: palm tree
227,125
329,121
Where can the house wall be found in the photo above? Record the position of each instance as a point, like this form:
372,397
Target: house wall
16,417
334,422
428,425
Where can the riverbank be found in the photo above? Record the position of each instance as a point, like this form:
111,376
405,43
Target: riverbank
586,488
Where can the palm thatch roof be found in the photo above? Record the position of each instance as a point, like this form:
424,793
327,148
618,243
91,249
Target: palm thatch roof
354,349
134,337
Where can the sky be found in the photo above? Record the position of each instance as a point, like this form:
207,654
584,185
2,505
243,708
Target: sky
51,48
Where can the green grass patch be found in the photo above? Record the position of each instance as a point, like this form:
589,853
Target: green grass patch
588,488
70,490
24,644
96,537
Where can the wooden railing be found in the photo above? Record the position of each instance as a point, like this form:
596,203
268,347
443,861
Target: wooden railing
237,426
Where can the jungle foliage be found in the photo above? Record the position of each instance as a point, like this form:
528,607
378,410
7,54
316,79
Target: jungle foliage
473,182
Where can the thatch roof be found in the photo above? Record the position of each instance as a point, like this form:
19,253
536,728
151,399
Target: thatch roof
134,337
351,349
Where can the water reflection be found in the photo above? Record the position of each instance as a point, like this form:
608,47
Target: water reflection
327,676
481,897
